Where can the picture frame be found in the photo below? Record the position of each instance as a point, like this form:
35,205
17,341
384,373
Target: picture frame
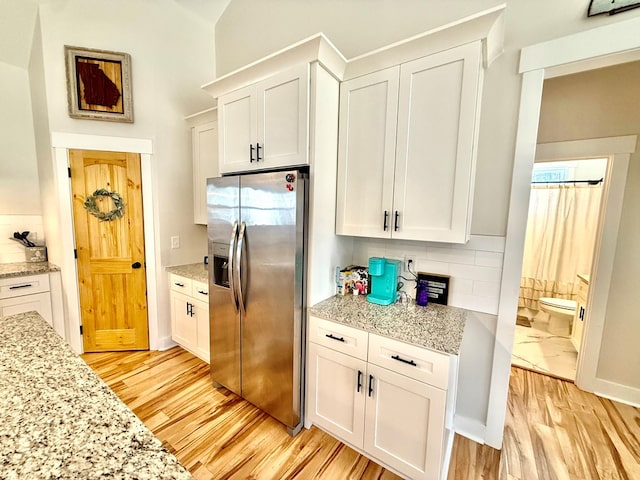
99,84
597,7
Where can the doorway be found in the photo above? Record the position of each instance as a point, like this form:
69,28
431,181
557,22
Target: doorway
109,238
562,228
61,241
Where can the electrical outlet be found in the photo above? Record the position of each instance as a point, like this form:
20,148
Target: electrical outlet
175,242
410,263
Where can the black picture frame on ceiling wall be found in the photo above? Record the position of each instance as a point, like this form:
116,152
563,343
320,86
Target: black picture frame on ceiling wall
99,84
597,7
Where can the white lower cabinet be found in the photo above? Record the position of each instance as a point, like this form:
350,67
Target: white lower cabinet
25,294
390,415
336,387
190,315
404,423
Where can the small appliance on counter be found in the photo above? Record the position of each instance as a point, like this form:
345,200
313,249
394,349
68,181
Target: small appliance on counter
383,277
352,279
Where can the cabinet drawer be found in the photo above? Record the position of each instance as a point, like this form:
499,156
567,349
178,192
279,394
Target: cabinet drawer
200,291
338,337
19,286
180,284
419,363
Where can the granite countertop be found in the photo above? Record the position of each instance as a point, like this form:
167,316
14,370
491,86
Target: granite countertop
194,271
23,269
437,327
59,420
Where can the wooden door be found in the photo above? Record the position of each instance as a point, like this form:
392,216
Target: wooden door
237,130
337,393
111,270
366,154
404,425
435,156
283,119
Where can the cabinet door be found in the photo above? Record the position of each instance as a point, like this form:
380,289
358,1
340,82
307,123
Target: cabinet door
578,323
336,399
404,423
183,325
366,154
435,157
283,119
40,302
201,311
237,130
205,165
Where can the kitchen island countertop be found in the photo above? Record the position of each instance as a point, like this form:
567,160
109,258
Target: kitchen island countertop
58,419
22,269
437,327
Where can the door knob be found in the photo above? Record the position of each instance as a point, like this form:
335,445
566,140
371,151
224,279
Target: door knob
136,265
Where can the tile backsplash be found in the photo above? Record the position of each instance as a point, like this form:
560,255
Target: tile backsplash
475,268
13,252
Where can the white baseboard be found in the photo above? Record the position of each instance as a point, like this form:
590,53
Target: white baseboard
617,392
470,428
165,343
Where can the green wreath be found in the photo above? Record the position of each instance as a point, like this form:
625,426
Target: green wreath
91,205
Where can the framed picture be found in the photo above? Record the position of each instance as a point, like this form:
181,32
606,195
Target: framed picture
596,7
99,84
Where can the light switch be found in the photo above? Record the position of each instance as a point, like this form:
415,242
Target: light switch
175,241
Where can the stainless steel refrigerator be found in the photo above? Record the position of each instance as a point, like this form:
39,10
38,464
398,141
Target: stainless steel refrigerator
257,240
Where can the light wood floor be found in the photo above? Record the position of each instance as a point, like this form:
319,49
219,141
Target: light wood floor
553,430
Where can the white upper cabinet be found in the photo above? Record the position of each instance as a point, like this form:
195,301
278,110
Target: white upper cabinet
265,125
407,147
204,138
237,120
366,152
205,165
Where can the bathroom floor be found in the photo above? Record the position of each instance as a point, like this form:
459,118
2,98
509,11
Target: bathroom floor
540,351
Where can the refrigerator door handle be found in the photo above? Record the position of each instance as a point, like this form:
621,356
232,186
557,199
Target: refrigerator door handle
238,265
230,262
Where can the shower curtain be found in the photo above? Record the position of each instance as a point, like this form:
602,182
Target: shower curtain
561,232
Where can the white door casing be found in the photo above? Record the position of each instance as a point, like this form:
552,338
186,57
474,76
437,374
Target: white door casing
603,46
62,243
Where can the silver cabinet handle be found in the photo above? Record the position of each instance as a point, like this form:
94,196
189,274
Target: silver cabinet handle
238,267
232,244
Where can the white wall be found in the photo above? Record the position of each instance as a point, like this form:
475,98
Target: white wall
19,190
172,55
595,104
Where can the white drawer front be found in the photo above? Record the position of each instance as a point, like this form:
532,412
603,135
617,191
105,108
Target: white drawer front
200,291
419,363
338,337
180,284
19,286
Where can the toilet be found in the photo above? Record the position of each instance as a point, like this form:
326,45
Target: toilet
561,313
